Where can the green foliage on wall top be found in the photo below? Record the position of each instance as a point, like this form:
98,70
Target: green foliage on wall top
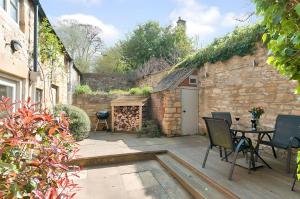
241,42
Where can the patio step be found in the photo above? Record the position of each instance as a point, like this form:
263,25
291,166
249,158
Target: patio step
194,182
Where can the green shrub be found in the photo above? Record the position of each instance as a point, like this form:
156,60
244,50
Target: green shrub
80,124
242,41
147,90
135,91
83,89
140,91
150,129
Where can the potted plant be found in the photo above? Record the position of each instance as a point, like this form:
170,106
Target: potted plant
256,113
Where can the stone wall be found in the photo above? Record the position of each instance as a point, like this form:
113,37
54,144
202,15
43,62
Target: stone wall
151,80
15,66
92,104
166,109
106,82
237,85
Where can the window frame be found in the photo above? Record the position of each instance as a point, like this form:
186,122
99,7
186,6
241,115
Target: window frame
9,83
4,5
56,97
17,7
38,92
193,77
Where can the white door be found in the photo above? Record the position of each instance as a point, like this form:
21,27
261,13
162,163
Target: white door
190,112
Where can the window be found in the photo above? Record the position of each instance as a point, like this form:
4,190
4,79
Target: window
8,89
2,4
14,10
193,80
54,95
38,98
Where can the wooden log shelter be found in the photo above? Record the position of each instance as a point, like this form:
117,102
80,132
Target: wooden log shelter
127,113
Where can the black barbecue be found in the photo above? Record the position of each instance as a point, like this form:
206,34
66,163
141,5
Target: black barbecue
102,117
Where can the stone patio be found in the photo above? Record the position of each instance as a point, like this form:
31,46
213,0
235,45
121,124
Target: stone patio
263,183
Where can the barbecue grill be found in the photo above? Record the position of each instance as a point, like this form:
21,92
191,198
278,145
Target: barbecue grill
102,117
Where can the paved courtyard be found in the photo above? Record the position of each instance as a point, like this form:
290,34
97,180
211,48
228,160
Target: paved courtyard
263,183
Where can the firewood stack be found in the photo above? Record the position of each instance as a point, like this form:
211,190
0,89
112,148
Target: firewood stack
127,113
126,118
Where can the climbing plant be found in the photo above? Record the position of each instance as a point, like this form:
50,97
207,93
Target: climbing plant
282,21
241,41
50,54
49,45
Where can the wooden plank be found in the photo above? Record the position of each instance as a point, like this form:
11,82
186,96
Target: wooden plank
208,180
112,119
116,158
141,117
196,186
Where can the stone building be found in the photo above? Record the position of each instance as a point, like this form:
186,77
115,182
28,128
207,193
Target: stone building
174,102
18,78
235,86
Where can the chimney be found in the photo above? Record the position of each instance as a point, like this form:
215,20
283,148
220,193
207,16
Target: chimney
181,22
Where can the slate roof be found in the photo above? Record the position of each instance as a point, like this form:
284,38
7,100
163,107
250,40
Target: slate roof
173,79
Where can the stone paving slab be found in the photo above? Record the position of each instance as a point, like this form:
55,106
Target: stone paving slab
139,180
263,183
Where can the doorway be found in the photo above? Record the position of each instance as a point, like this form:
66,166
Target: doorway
190,111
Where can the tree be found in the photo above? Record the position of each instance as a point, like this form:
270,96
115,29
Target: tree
83,42
151,66
151,40
109,61
282,19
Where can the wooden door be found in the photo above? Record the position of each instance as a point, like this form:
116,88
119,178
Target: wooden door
190,111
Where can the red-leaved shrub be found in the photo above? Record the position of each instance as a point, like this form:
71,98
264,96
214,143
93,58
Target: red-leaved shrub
34,149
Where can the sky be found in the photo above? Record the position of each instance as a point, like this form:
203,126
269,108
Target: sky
206,19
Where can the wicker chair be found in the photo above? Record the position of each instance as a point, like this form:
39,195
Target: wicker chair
220,136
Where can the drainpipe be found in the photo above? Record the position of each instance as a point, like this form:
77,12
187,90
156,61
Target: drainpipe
35,37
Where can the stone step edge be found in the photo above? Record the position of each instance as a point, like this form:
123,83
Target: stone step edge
116,158
205,178
186,185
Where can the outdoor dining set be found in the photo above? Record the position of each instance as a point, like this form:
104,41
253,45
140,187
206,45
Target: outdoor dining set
235,138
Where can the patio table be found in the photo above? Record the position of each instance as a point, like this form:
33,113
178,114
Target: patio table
261,132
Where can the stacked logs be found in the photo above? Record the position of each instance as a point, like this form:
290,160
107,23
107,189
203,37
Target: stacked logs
127,118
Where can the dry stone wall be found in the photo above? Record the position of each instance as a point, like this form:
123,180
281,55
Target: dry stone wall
239,84
151,80
92,104
106,82
166,109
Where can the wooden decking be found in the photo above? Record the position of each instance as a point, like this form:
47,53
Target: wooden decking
263,183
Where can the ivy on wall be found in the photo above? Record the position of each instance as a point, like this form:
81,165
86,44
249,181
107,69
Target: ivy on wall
49,45
50,54
241,42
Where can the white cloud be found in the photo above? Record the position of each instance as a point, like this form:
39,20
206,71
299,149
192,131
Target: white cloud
109,32
203,21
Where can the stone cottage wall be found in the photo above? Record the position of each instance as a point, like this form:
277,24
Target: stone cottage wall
151,80
106,82
92,104
236,86
15,66
166,109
